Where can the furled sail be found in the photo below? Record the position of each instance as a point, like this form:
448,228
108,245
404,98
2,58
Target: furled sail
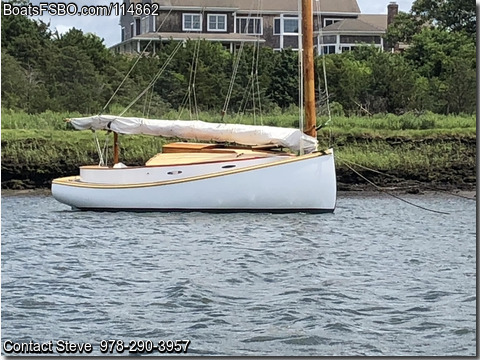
198,130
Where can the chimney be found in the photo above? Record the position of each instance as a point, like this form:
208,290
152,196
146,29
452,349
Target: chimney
392,11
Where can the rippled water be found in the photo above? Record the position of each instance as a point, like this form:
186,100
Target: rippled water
378,277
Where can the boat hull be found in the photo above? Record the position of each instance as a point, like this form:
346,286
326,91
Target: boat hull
301,184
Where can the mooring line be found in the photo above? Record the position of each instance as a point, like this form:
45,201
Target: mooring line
396,177
369,169
453,194
395,196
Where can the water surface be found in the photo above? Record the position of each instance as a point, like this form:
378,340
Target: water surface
377,277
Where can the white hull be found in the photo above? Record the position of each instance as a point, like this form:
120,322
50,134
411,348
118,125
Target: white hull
289,184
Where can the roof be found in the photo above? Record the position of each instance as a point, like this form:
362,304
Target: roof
377,20
195,36
352,25
324,6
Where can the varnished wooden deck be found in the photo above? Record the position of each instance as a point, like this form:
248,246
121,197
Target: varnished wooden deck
197,153
193,153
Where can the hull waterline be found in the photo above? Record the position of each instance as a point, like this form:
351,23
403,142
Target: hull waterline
302,184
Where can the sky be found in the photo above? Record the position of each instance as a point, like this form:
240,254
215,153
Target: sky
108,28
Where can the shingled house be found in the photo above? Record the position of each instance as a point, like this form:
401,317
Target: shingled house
338,25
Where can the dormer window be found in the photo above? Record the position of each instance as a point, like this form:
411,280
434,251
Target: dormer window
192,22
217,22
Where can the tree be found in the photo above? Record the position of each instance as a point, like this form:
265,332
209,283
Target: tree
284,79
74,82
448,15
91,44
403,28
432,50
460,87
14,82
393,80
348,80
252,79
453,15
24,38
448,59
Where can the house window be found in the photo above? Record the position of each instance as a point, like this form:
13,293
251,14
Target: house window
192,22
123,33
276,27
358,39
217,22
327,22
249,25
330,49
132,31
290,26
145,25
137,26
347,48
153,24
329,39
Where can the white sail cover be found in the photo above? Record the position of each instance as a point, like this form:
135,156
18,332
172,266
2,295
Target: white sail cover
199,130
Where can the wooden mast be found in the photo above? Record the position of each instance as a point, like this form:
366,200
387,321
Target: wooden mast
308,68
115,148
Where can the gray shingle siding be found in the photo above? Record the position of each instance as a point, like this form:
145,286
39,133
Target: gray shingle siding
172,19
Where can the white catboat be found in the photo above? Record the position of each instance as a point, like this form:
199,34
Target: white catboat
252,176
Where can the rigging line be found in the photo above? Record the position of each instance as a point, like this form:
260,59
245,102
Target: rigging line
232,80
324,66
99,149
189,86
155,78
251,85
252,75
243,105
145,106
150,103
187,98
183,104
191,97
246,95
301,95
236,65
249,89
395,196
237,62
135,64
396,177
260,109
105,148
194,80
256,80
189,102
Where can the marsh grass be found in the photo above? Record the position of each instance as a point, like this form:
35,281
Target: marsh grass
46,148
409,157
427,121
406,122
409,143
